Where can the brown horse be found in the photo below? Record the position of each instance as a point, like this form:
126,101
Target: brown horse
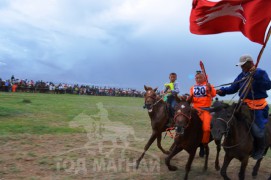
188,135
159,115
238,141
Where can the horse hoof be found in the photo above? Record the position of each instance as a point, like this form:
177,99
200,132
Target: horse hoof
254,174
137,164
226,178
172,168
217,168
224,175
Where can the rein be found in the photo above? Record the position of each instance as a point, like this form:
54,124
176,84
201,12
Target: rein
241,80
154,104
179,112
245,91
247,86
227,131
241,142
223,120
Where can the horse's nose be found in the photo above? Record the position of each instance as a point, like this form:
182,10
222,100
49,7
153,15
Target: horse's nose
179,130
148,106
218,134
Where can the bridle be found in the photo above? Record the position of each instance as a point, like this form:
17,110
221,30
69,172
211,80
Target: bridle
227,124
227,132
180,113
152,105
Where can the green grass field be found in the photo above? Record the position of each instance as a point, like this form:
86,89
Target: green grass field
50,113
37,140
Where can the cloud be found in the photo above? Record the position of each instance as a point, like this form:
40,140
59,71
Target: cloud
2,64
123,42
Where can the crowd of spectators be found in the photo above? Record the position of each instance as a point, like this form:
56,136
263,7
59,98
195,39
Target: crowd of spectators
24,85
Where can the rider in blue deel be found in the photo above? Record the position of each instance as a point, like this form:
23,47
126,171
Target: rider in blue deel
255,99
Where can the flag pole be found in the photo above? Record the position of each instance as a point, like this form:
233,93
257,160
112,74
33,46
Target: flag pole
265,42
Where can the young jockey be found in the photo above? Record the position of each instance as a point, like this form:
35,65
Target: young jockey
171,90
202,94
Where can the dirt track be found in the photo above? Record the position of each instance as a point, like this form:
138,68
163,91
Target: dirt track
66,157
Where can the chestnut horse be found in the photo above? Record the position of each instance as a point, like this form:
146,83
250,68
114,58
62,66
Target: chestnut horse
189,136
238,141
159,115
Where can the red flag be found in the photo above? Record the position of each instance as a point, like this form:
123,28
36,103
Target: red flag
251,17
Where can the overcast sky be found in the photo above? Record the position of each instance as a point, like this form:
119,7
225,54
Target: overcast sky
122,43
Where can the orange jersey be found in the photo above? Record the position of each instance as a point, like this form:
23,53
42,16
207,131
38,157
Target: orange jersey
201,96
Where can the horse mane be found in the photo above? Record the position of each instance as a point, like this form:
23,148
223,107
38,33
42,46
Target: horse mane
185,97
243,113
239,117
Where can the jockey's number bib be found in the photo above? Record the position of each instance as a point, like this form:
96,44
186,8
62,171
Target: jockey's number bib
199,91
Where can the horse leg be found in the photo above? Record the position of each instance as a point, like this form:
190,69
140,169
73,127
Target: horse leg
189,162
257,165
201,151
176,149
225,165
159,137
218,148
256,168
171,147
206,147
149,143
243,168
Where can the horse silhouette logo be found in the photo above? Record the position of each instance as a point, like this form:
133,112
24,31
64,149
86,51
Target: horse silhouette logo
109,147
222,10
103,133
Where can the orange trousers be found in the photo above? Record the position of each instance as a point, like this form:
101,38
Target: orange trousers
206,118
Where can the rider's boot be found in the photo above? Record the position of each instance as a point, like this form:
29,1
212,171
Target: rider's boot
259,149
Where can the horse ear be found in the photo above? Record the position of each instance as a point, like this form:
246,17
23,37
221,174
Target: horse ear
145,87
155,89
178,99
189,99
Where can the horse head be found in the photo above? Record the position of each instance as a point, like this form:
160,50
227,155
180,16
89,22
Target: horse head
219,123
150,98
183,115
